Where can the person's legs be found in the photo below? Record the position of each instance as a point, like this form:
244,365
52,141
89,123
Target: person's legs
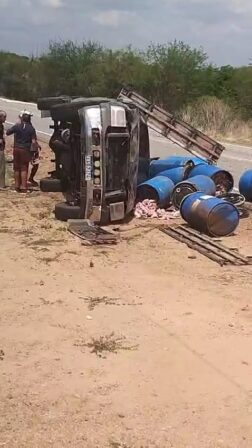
17,178
2,169
33,174
25,160
35,166
16,166
24,178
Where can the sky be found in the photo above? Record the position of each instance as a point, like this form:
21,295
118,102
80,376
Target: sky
222,27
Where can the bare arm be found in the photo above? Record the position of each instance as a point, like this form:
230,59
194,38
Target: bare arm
11,130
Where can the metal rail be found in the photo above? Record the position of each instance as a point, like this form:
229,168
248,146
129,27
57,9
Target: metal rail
178,131
207,246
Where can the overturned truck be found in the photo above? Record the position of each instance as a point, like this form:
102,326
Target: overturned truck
102,151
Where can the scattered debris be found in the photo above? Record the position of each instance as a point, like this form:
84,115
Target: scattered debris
44,242
245,308
2,355
103,344
118,445
148,209
91,233
237,199
245,363
206,246
116,301
44,301
53,258
234,197
95,301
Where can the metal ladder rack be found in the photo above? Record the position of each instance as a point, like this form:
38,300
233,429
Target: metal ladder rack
207,246
178,131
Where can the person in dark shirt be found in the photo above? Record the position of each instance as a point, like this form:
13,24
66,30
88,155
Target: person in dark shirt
35,158
24,139
3,117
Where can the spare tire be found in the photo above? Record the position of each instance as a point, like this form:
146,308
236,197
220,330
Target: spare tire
92,101
69,111
47,103
51,185
64,211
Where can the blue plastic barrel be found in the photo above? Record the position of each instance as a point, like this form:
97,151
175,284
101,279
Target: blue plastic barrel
158,188
157,166
197,160
176,174
223,179
245,185
183,160
209,214
197,183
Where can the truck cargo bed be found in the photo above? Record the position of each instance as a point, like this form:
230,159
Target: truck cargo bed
178,131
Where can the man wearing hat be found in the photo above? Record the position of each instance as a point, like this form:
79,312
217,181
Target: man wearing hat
25,139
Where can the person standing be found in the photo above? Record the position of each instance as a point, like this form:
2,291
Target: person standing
35,158
3,117
25,139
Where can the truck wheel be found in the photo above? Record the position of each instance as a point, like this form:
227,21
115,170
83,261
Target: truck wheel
105,217
64,211
47,103
50,185
69,111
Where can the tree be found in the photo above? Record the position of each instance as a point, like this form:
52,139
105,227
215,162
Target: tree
176,70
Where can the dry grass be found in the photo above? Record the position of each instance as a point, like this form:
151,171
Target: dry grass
217,119
106,344
93,302
118,445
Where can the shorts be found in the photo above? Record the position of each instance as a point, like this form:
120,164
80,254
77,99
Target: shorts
21,159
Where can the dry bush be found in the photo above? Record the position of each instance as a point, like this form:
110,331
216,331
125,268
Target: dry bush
216,118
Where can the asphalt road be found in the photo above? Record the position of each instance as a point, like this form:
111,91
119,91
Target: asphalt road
236,158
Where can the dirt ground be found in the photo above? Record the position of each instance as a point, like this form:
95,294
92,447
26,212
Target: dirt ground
139,345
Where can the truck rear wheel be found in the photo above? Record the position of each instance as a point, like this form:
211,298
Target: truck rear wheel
51,185
47,102
64,211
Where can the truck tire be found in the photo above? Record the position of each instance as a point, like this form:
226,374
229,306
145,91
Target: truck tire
50,185
69,111
64,211
105,217
47,103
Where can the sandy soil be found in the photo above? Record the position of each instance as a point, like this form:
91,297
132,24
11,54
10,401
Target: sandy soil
178,367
